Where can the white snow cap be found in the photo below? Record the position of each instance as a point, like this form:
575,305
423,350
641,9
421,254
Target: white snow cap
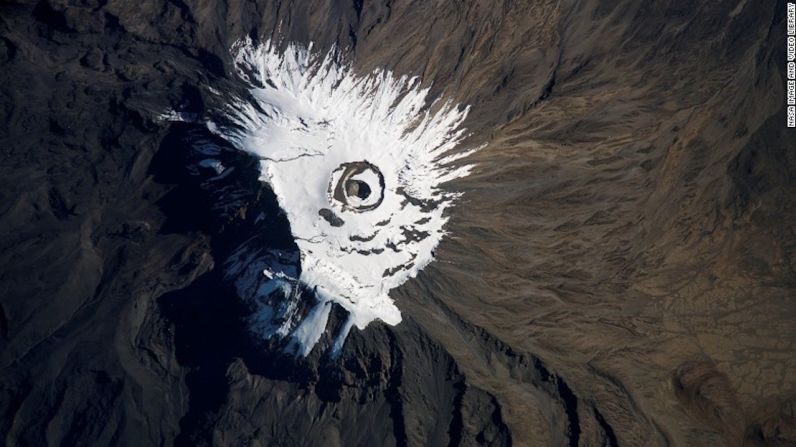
357,164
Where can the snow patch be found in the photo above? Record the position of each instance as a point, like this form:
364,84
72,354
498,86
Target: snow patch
356,164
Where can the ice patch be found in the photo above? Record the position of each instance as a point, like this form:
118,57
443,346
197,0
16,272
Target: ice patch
175,116
212,163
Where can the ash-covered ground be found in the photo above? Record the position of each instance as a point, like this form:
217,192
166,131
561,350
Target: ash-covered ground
618,272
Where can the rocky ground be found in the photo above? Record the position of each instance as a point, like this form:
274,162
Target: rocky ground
620,271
